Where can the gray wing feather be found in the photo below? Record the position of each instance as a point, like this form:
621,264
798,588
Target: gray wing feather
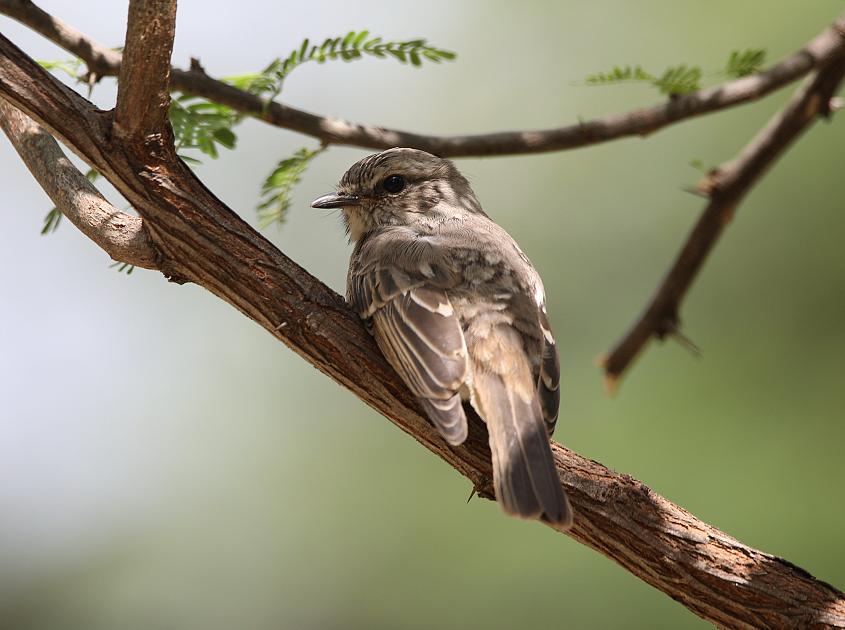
548,388
420,336
435,369
448,416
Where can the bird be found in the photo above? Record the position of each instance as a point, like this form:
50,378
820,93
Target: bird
459,312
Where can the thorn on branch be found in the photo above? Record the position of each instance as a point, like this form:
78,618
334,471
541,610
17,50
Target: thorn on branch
610,381
667,325
196,66
707,186
683,340
698,190
176,279
670,328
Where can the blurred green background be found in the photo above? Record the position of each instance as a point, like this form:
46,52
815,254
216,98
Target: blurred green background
165,463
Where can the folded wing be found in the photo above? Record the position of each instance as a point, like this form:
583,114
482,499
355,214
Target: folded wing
417,330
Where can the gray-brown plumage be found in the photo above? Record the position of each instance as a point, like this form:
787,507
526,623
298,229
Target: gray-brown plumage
460,313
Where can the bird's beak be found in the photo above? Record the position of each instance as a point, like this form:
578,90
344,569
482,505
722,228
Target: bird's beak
337,200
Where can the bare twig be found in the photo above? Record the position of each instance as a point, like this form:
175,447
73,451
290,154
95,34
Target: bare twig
335,131
102,61
726,186
120,235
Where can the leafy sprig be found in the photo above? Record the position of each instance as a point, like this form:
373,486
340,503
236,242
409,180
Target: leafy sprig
121,267
675,80
69,66
742,64
277,187
681,79
201,124
51,221
354,45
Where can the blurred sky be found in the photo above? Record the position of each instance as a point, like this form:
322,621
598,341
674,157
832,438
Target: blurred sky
166,463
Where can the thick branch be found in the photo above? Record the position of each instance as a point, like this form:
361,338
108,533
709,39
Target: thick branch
335,131
726,186
143,91
120,235
198,239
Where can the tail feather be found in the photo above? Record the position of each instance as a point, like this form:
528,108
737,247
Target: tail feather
524,473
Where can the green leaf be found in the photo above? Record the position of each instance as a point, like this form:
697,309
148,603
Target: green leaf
51,221
202,125
129,268
683,79
698,164
680,80
226,137
360,39
399,54
620,75
750,61
277,187
69,66
351,46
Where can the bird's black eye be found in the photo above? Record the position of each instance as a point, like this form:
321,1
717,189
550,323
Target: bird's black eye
393,183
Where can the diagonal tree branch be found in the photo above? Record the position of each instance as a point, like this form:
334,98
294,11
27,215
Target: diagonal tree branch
198,239
104,62
726,186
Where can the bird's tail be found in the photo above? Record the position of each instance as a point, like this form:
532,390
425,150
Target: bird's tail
524,473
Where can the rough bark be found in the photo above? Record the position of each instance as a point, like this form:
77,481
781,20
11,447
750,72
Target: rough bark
198,239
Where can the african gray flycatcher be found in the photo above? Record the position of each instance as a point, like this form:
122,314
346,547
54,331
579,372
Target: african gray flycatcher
460,313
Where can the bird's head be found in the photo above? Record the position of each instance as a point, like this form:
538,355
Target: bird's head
399,187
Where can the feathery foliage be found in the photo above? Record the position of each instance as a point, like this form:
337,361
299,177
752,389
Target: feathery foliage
277,187
354,45
121,267
69,66
742,64
675,80
681,79
51,221
203,125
